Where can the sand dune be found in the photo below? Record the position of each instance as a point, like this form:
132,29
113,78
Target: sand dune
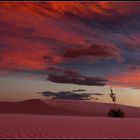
64,107
34,106
48,126
66,119
98,109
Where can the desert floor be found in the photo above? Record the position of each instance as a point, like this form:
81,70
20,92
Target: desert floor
51,126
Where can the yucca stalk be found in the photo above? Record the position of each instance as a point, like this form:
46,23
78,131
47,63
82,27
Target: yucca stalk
112,95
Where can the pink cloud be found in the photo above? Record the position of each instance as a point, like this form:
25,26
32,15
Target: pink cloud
128,79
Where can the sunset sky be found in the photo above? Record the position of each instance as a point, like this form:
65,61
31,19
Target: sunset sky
70,50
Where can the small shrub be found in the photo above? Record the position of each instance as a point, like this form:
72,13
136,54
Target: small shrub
117,113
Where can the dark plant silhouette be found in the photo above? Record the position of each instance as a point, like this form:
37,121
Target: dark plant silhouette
115,112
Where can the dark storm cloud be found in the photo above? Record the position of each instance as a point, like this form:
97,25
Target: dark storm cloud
72,77
84,80
67,95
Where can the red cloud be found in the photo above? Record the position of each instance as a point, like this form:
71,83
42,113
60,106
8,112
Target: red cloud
25,50
28,58
96,51
83,9
25,37
129,79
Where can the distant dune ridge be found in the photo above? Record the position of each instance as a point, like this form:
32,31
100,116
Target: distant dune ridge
64,107
33,106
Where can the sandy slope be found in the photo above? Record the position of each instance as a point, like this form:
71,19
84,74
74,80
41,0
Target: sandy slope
97,109
49,126
64,107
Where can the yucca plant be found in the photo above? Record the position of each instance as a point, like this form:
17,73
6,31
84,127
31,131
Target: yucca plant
115,112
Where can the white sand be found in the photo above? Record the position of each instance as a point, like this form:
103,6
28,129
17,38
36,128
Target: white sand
48,126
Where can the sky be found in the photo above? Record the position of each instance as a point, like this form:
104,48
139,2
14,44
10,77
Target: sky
70,50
